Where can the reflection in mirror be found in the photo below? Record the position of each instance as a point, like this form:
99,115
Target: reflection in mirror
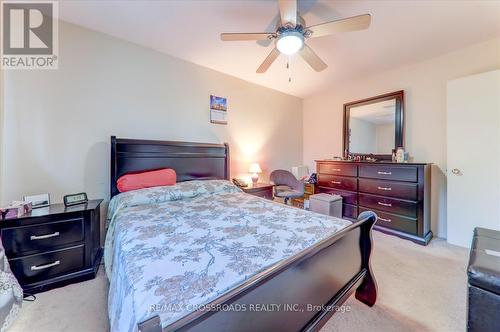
372,128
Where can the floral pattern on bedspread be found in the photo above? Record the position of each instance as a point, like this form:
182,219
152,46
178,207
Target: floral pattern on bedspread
170,249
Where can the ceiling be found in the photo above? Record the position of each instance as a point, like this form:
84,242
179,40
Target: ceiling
401,32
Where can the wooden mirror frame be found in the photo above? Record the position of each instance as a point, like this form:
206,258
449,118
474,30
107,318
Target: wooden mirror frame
398,122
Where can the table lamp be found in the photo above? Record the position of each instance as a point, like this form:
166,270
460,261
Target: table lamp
254,169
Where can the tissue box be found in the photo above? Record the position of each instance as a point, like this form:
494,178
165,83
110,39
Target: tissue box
15,210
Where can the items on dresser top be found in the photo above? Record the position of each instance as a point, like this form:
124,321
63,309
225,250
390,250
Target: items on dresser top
53,246
264,190
313,179
398,193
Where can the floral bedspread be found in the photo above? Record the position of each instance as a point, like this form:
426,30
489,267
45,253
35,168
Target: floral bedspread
171,249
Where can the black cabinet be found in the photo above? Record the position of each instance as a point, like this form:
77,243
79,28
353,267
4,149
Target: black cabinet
54,246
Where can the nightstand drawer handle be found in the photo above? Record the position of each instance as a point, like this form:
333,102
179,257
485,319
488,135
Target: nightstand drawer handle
46,266
384,204
386,220
384,173
336,182
41,237
335,169
384,188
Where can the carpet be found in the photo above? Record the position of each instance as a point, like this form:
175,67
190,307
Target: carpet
419,289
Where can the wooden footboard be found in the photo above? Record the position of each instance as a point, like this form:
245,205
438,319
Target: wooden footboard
297,294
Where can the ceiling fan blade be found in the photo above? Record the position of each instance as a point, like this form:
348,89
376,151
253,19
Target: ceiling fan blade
247,36
288,11
271,27
347,24
268,61
312,58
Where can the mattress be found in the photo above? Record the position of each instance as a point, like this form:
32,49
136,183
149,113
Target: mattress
171,250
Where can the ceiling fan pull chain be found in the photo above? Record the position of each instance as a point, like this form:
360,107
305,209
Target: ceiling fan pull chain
289,67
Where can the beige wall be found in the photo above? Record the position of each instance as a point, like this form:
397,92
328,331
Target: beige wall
56,137
362,135
425,114
385,138
58,122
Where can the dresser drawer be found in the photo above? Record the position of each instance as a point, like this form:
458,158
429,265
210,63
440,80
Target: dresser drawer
34,268
23,240
402,190
384,172
349,211
391,205
338,169
348,197
399,223
338,182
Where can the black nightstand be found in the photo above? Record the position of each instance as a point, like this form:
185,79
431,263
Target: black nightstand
54,246
260,189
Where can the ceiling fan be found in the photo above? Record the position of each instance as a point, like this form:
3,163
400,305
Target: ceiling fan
291,32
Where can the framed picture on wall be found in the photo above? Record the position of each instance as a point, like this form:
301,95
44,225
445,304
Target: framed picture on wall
218,110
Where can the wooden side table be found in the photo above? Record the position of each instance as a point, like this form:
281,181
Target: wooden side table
264,190
308,191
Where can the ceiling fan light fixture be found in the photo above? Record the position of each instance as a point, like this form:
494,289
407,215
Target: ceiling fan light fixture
290,42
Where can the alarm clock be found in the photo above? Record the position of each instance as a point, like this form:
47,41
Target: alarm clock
75,199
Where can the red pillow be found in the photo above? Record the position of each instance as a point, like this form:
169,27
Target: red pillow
160,177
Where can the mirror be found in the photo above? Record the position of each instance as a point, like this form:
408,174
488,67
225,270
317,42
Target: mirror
374,125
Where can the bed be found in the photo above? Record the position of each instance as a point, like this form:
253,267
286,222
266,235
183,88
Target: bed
204,256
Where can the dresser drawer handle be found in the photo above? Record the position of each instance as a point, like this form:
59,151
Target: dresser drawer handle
386,220
41,237
336,182
46,266
384,204
335,169
384,188
384,173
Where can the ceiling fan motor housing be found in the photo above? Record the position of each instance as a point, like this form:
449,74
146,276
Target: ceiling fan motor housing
300,21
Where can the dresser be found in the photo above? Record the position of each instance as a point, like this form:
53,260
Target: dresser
263,190
398,193
53,246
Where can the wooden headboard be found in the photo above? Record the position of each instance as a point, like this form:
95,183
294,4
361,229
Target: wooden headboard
191,161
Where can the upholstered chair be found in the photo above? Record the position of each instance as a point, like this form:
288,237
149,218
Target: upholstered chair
286,185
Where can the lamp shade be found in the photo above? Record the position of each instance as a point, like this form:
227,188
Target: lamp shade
290,42
254,168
